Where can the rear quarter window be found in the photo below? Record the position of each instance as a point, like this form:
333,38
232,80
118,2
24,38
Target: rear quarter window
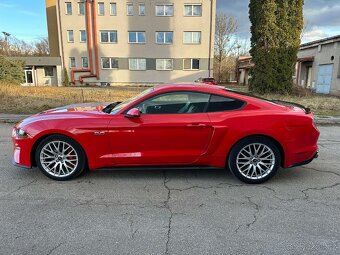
222,104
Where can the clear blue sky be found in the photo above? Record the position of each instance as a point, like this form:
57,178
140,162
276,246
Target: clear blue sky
25,19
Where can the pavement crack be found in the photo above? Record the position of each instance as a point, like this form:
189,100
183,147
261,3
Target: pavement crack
305,191
257,210
23,186
167,206
54,248
255,215
133,231
322,171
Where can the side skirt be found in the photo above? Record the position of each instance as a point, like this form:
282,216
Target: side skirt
160,168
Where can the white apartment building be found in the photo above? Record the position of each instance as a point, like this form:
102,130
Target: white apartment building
129,41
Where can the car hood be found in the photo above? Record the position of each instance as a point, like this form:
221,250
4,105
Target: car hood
83,110
83,107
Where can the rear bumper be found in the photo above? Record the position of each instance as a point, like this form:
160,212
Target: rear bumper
316,155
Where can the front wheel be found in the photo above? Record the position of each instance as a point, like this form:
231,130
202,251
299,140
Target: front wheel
60,158
254,160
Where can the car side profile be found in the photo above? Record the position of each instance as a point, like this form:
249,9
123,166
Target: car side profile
170,126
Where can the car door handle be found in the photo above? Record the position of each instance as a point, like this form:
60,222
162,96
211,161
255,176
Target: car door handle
197,125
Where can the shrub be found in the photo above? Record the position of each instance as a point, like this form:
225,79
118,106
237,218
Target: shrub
11,71
66,81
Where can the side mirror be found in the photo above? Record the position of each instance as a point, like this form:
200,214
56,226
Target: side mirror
133,113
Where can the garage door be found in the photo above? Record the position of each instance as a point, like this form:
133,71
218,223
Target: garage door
324,79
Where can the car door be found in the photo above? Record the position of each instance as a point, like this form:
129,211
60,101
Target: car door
172,129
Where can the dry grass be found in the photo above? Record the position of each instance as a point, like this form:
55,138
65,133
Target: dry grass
18,99
320,105
28,100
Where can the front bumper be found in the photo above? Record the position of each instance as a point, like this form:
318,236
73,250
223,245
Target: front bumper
19,165
22,152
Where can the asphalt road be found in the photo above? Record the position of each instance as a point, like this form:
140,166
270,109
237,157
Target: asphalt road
172,212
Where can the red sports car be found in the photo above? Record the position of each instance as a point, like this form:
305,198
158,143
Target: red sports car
208,81
183,126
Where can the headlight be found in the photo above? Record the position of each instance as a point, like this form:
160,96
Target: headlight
21,133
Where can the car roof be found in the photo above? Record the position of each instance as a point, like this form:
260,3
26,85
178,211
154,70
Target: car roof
196,87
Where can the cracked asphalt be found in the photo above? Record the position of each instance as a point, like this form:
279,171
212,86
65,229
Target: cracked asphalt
172,212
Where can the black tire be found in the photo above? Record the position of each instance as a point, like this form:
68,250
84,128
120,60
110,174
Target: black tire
76,161
262,167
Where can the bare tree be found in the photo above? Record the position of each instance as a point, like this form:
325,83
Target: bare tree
226,28
243,46
41,47
306,29
15,47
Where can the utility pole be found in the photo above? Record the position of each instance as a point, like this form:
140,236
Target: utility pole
210,36
6,41
238,46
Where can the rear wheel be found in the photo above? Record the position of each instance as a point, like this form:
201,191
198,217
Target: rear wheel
254,160
60,158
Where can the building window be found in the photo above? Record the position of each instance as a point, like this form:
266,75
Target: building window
164,64
137,64
48,71
82,36
136,37
192,37
109,63
193,10
165,10
84,62
72,62
108,36
191,64
70,36
68,6
129,9
113,9
141,9
81,8
101,9
164,37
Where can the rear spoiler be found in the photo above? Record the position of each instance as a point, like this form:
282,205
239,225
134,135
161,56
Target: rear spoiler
306,109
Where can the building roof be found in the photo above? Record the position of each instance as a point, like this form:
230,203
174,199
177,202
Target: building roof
39,61
244,57
316,43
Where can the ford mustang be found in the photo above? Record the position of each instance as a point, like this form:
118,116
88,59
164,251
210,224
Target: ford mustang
170,126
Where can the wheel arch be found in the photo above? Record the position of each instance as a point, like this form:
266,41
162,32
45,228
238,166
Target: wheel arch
43,137
272,139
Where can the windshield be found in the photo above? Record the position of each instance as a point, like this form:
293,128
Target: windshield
130,100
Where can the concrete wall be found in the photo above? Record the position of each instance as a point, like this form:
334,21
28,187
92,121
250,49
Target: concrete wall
322,57
52,25
41,80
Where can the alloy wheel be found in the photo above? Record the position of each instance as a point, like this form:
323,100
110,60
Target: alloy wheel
255,161
59,158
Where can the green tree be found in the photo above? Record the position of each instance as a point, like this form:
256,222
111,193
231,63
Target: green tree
290,24
263,45
276,26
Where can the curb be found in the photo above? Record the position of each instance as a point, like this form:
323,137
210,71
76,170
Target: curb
12,118
327,120
319,120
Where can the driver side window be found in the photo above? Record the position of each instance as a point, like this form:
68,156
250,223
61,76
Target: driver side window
175,103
